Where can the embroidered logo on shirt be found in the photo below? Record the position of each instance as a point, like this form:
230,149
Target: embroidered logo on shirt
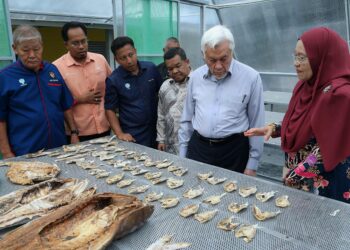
127,85
22,82
52,74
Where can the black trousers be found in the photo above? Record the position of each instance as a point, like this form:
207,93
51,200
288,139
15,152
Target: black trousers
90,137
232,155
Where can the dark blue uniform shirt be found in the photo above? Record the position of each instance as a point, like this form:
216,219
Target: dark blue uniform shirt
32,104
136,98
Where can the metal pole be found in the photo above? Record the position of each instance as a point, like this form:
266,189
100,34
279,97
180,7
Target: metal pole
9,29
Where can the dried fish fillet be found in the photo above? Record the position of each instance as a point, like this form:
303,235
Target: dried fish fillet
174,183
25,173
214,199
164,244
156,181
91,223
173,168
204,176
180,172
99,153
38,154
139,171
227,224
169,202
74,147
152,175
153,196
164,164
214,180
205,216
129,168
193,193
236,207
106,157
22,205
102,140
101,174
230,186
86,165
138,190
149,163
189,210
259,215
247,191
125,183
115,178
265,196
247,232
282,201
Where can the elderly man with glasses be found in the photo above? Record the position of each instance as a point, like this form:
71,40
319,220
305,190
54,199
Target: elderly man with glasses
85,74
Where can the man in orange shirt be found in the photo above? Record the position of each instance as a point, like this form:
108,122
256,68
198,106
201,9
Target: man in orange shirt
85,74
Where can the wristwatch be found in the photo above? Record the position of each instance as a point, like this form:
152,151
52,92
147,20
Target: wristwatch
74,131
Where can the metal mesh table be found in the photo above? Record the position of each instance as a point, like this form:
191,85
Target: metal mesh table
306,224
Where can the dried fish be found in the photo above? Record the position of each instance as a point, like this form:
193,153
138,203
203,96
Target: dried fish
101,174
38,154
227,224
75,160
263,197
230,186
164,164
140,157
180,172
153,196
86,165
174,183
96,171
173,168
189,210
25,204
259,215
247,232
24,173
74,147
138,190
73,157
214,199
236,207
139,171
110,144
169,202
62,156
247,191
125,183
102,140
115,178
91,223
282,201
214,180
158,180
130,168
152,175
149,163
99,153
54,153
193,193
121,164
164,244
205,216
204,176
106,157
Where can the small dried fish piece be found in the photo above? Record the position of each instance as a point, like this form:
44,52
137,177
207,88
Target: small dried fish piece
74,147
149,163
139,171
101,174
62,156
214,180
205,216
110,144
99,153
174,183
153,196
86,164
193,193
125,183
115,178
204,176
72,157
164,244
102,140
129,154
227,224
189,210
140,157
96,171
121,163
247,191
230,186
214,199
164,164
54,153
247,232
38,154
180,172
26,173
265,196
282,201
173,168
152,175
106,157
259,215
119,149
75,160
169,202
138,190
130,168
158,180
236,207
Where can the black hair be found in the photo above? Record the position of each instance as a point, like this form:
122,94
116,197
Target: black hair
72,25
173,39
171,53
120,42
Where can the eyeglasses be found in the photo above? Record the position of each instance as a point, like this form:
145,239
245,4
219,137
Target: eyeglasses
300,58
76,44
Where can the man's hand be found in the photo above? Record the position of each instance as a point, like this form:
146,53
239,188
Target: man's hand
126,137
250,172
74,139
161,146
265,131
8,155
92,97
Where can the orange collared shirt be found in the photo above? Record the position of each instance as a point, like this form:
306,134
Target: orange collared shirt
80,79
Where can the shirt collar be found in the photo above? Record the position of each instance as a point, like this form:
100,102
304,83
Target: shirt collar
71,61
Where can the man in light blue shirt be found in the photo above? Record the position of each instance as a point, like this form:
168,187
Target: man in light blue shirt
224,99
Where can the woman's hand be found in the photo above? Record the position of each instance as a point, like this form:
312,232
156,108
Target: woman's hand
264,131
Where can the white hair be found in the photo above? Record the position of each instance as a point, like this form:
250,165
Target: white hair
216,35
25,33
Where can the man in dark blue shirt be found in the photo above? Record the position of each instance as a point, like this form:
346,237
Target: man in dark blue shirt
132,91
34,100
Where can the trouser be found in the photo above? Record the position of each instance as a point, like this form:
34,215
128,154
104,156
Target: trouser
83,138
231,153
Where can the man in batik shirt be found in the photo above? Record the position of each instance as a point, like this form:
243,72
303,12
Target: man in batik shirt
171,99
